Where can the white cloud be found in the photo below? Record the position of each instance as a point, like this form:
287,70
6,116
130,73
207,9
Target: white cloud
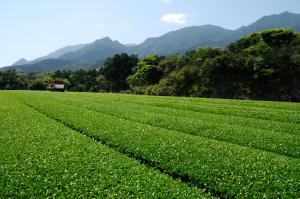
177,18
166,1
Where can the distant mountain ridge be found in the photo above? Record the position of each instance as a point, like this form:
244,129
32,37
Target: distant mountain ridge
51,65
183,40
179,41
58,53
189,38
102,48
283,20
21,62
53,55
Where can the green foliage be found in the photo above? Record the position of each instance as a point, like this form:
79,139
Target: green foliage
147,72
201,54
179,82
11,80
278,37
226,76
260,66
145,75
149,60
38,84
245,42
117,69
170,63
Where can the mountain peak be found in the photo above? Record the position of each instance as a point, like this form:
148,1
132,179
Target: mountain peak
287,13
282,16
283,20
99,49
21,62
105,39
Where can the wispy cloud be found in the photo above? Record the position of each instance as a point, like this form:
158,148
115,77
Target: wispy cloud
176,18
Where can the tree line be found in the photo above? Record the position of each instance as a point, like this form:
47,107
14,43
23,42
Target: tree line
264,66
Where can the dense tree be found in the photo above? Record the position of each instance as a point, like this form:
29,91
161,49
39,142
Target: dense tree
11,80
199,55
180,83
147,72
146,75
117,69
38,84
225,76
260,66
171,63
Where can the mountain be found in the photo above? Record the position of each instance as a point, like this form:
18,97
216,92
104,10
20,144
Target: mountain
42,66
189,38
53,55
21,62
283,20
56,54
99,49
179,41
130,45
51,65
183,40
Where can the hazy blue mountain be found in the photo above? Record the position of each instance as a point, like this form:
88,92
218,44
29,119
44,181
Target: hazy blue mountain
183,40
56,54
42,66
51,65
130,45
189,38
283,20
20,62
53,55
179,41
99,49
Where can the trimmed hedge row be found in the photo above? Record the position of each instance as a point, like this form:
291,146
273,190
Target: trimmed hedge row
228,107
42,158
224,168
277,142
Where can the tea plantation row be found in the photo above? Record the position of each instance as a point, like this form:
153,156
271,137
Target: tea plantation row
285,142
114,145
225,159
41,158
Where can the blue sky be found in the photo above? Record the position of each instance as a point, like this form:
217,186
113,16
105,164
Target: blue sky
32,28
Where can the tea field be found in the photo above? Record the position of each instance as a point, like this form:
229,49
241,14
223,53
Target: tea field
91,145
